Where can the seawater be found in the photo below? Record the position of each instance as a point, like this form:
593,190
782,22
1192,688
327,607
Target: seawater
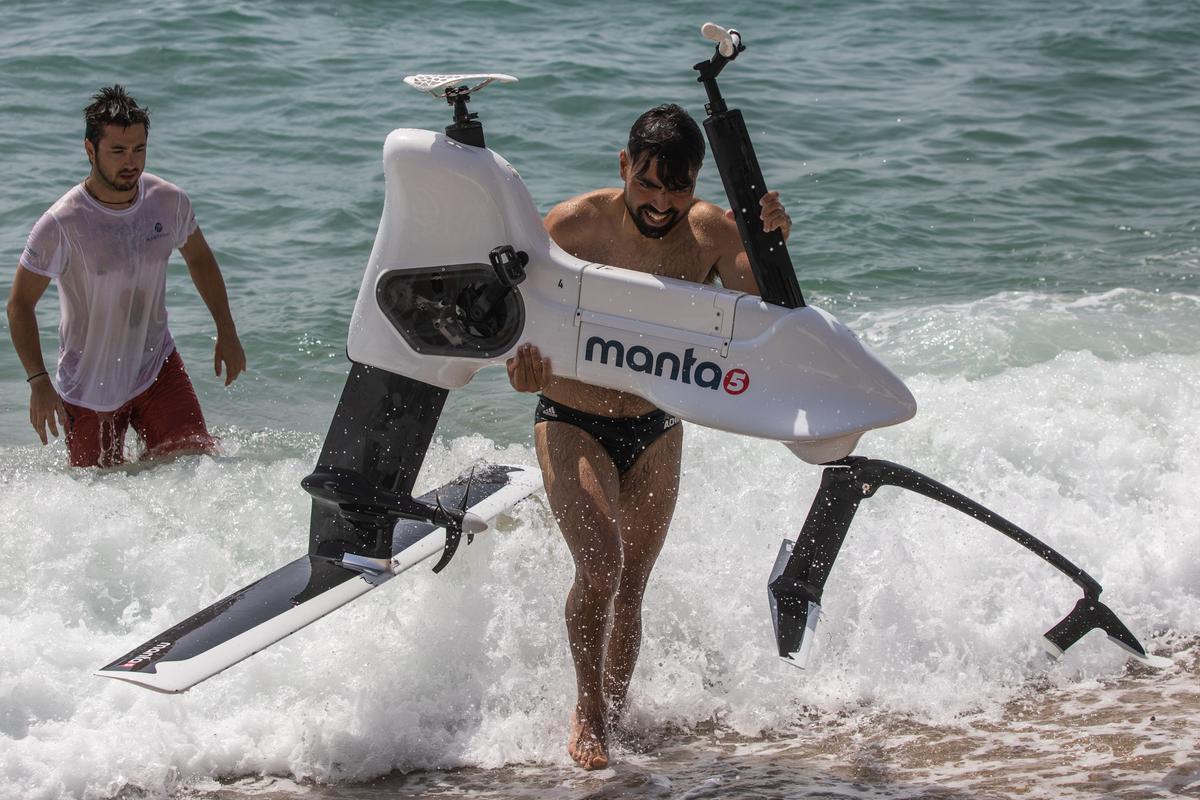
1003,202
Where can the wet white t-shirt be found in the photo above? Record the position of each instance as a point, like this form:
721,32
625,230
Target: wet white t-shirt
111,271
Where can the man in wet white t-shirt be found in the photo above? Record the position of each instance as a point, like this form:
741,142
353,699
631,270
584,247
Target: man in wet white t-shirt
106,244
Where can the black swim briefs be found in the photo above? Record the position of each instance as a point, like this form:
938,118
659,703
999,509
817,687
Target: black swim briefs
623,438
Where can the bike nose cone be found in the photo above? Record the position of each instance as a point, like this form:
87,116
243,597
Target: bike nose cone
472,523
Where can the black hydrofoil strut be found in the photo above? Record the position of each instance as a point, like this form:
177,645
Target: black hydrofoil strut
798,579
364,478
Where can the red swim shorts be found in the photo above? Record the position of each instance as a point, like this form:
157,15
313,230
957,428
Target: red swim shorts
166,416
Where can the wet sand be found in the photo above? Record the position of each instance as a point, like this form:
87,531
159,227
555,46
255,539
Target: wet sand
1133,736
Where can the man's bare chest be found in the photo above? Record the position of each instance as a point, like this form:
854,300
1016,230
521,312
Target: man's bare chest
681,259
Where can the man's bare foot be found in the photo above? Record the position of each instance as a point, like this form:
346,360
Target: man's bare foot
585,746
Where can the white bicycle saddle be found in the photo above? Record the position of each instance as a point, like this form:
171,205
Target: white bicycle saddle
437,85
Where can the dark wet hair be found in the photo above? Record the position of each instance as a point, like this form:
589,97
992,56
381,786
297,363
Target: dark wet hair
669,134
112,106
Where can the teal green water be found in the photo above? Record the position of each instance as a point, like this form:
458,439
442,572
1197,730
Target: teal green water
931,153
1002,200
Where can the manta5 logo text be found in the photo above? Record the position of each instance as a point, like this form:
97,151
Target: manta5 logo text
666,364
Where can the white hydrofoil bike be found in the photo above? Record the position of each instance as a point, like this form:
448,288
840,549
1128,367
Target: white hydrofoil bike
461,273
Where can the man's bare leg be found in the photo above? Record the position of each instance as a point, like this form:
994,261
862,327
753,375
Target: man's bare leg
647,502
583,486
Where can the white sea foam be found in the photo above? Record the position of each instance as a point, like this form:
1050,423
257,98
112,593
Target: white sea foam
926,613
987,335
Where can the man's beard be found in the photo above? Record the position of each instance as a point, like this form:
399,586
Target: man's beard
114,182
652,231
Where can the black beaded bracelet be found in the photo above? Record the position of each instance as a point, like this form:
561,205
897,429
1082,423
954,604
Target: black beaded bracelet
40,374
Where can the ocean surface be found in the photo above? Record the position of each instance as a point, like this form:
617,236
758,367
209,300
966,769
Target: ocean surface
1002,200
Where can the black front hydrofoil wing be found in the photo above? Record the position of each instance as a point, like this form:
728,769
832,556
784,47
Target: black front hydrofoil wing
802,567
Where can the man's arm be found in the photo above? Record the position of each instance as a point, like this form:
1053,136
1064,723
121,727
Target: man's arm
528,369
573,225
568,224
206,274
45,406
733,265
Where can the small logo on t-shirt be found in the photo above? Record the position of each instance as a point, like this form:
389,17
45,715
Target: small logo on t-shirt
158,232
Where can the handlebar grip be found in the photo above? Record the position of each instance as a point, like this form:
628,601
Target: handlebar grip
728,40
